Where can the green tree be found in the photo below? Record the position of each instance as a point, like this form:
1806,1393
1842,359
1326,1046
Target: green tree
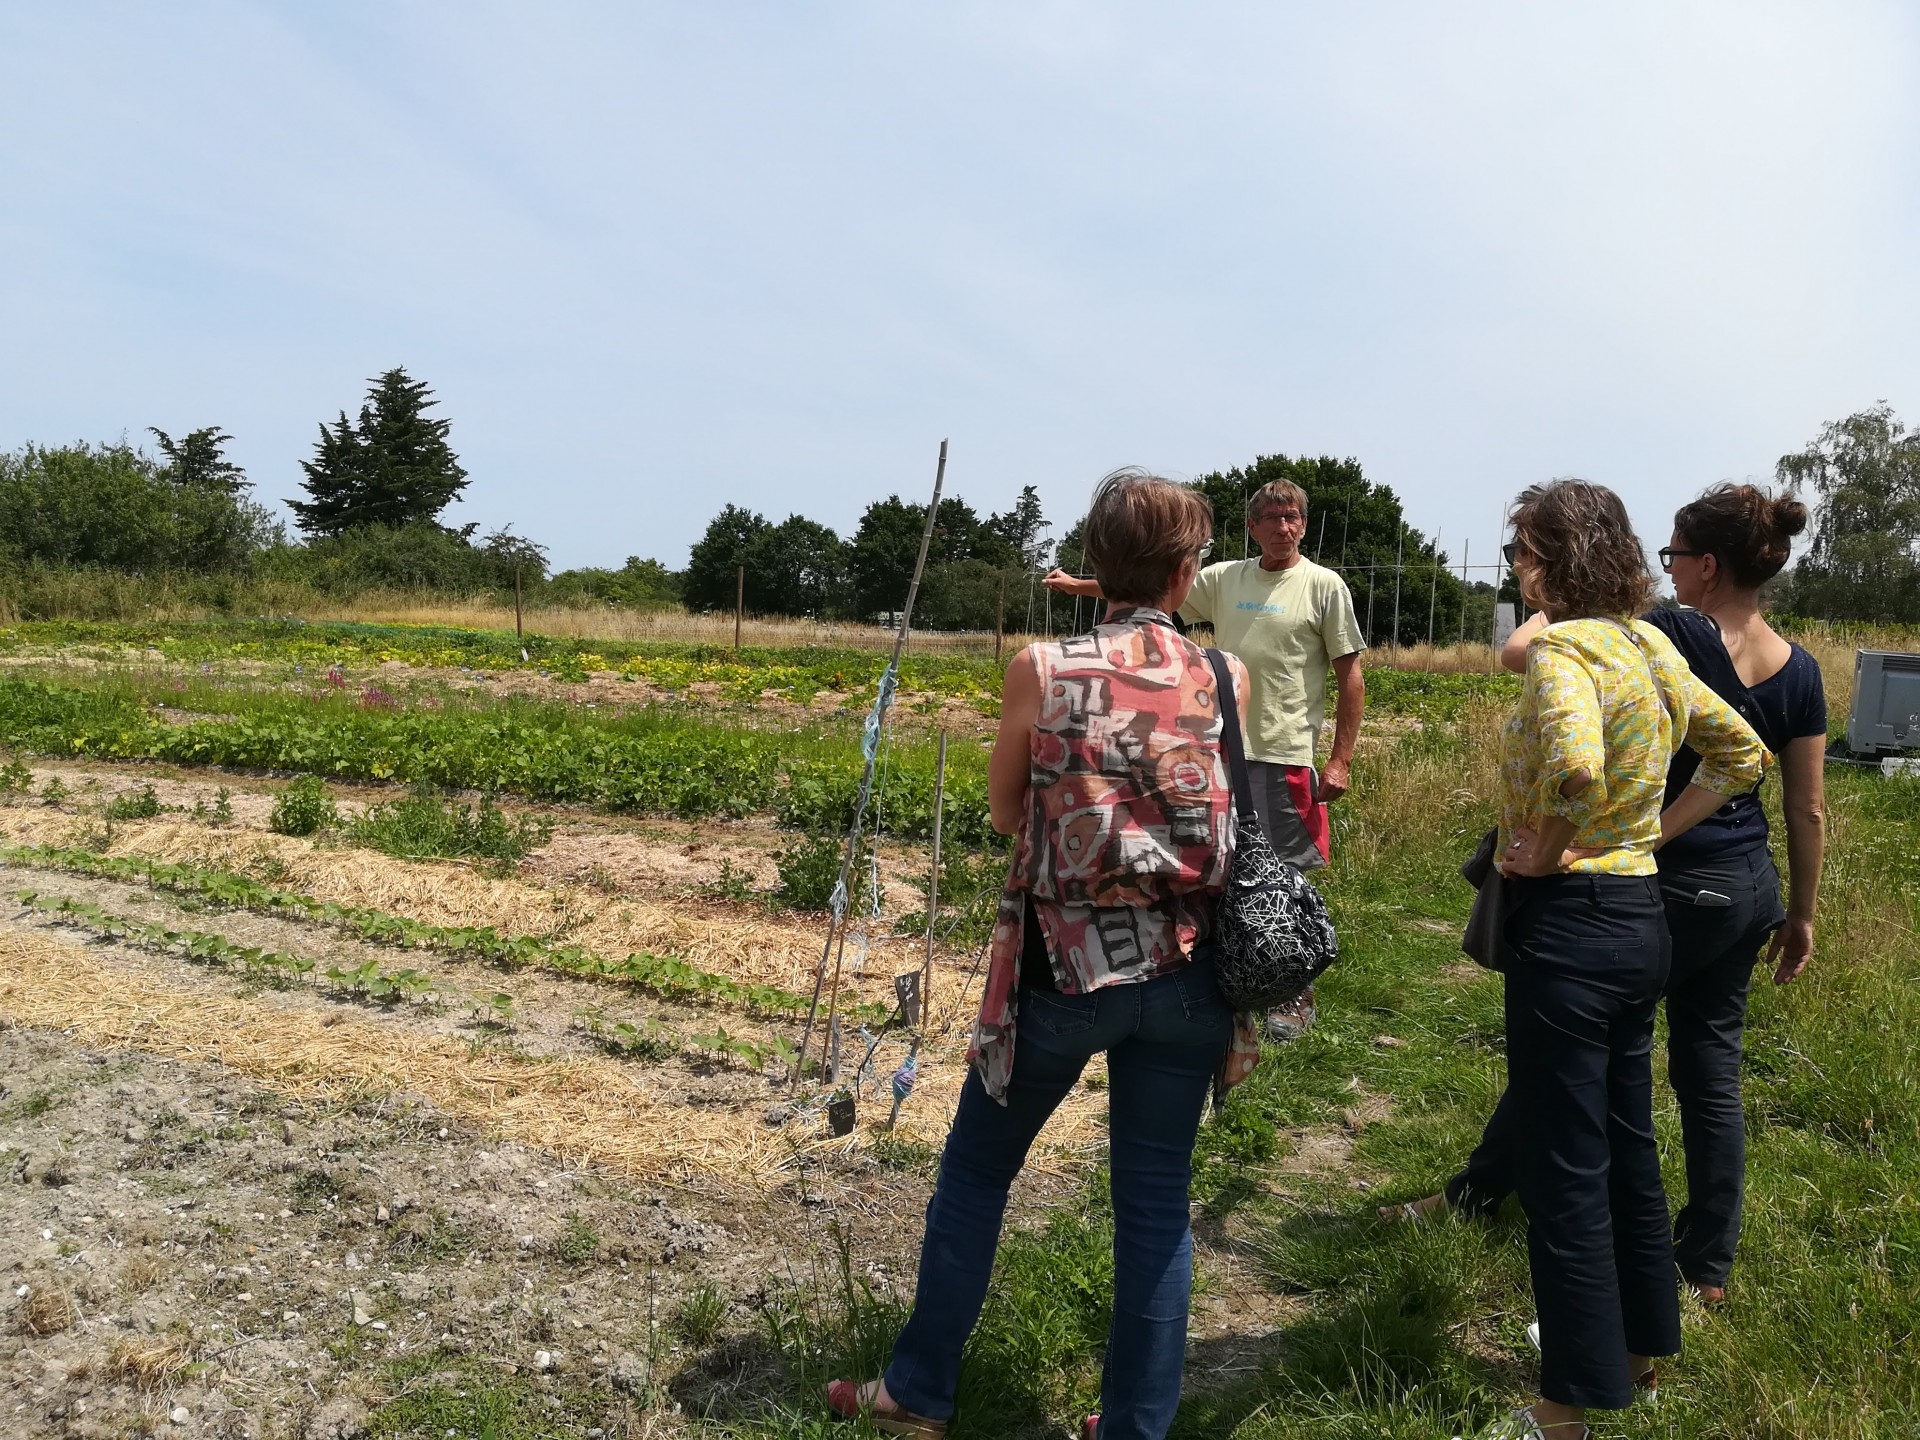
1864,562
114,507
639,584
882,553
797,567
393,467
1024,528
197,459
513,553
717,555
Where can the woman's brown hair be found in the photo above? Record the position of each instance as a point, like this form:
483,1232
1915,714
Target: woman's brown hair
1140,529
1589,560
1747,530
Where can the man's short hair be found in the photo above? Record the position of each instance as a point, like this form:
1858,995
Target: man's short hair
1274,494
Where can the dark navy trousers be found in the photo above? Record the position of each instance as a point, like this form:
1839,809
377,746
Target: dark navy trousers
1715,948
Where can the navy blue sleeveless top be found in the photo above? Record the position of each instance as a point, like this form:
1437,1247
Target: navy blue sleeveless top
1788,705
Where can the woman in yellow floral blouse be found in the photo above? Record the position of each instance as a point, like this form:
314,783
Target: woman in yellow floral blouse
1607,700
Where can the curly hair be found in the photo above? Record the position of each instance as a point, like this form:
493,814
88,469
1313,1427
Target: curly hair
1140,529
1590,561
1749,531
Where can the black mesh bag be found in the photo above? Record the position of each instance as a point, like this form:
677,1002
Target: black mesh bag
1271,931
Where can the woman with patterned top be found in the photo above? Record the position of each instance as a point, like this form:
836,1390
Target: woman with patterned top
1109,773
1606,701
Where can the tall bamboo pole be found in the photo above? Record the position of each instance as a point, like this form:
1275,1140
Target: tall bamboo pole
933,880
880,704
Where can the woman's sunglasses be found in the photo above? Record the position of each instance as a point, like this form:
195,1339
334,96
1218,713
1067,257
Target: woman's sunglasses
1511,550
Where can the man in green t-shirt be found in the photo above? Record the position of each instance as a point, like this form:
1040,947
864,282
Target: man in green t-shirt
1291,621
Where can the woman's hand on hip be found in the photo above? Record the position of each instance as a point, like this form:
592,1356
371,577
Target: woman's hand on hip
1526,856
1792,948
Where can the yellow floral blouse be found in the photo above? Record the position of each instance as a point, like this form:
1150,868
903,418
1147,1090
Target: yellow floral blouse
1617,700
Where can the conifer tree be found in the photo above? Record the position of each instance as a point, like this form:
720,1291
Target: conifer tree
394,467
196,459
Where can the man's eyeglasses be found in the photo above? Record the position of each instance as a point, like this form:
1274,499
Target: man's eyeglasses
1511,550
1667,552
1206,549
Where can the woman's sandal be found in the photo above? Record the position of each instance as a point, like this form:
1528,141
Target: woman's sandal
1413,1212
850,1400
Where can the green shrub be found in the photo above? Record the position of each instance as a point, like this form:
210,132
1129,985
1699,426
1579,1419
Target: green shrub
304,808
16,779
810,868
425,826
141,804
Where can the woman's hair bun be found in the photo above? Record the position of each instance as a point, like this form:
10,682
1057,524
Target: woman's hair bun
1786,516
1748,530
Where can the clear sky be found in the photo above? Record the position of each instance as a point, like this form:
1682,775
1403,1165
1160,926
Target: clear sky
658,257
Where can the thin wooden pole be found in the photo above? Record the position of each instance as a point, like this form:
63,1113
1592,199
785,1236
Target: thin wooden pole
1399,570
1466,550
865,794
999,619
1433,585
518,633
739,601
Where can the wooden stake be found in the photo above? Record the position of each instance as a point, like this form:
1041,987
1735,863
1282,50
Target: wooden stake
999,619
739,602
866,784
518,633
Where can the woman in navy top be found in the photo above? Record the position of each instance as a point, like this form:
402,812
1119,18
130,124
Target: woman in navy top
1718,881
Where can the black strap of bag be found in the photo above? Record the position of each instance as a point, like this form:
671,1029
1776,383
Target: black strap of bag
1230,738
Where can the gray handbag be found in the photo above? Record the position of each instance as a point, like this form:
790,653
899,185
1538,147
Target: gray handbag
1482,939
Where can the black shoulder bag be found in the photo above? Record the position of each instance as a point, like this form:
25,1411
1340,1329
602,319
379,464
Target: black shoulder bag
1271,930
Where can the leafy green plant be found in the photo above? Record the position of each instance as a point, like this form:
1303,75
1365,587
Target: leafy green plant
495,1009
577,1243
809,869
727,1048
16,779
424,826
141,804
304,808
650,1041
54,792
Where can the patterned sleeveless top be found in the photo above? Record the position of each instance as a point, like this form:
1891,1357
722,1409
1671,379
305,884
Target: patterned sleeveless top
1128,832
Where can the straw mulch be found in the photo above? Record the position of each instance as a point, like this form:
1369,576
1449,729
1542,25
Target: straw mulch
590,1110
584,1109
765,952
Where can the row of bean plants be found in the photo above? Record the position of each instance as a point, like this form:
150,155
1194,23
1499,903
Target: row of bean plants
656,974
793,672
645,761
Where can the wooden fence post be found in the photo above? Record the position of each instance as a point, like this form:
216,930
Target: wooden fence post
999,619
739,602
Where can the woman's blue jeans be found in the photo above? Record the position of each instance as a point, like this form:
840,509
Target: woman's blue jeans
1165,1039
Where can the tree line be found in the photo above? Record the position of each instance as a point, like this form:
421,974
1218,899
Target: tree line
379,481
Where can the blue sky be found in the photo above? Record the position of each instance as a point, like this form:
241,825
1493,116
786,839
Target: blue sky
655,258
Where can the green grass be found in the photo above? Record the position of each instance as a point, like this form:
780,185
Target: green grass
1416,1332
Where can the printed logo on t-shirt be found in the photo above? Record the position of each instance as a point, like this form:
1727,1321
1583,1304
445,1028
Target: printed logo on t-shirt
1262,609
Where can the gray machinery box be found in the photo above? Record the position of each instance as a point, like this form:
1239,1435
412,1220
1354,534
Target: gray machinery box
1886,703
